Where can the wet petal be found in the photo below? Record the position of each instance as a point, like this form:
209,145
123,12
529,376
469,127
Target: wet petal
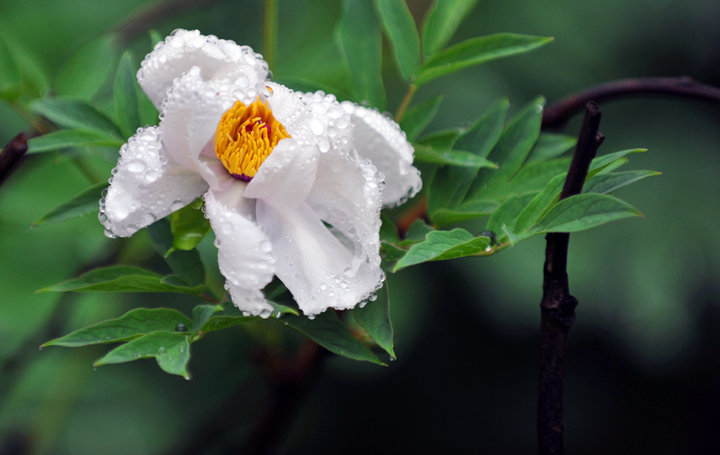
146,185
287,175
190,117
380,139
217,58
244,252
347,196
319,270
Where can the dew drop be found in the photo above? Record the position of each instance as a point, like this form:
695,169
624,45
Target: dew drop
316,126
324,145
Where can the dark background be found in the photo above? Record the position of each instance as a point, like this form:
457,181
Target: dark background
643,372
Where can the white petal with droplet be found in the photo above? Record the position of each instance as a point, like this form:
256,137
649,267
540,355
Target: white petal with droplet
146,185
380,139
244,251
318,269
184,49
192,110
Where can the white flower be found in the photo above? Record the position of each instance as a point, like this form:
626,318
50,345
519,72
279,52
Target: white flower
292,183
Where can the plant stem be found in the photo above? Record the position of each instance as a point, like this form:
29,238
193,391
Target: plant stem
270,26
558,306
11,155
405,102
559,113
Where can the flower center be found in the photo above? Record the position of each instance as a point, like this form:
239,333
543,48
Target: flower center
245,136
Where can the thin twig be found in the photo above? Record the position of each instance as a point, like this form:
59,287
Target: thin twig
557,305
405,102
559,113
11,155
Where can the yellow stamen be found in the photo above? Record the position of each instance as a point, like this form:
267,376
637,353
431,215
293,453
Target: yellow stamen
245,136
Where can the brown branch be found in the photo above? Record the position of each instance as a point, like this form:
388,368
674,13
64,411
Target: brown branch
556,115
557,305
11,155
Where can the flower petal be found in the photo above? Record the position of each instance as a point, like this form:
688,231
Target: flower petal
184,49
347,196
318,269
244,252
380,139
287,175
146,185
190,115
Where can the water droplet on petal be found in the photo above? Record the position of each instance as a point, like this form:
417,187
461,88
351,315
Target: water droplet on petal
136,166
316,126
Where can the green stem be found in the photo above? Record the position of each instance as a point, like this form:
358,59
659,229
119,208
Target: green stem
405,102
270,21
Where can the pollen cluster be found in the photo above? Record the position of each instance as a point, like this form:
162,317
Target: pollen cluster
245,136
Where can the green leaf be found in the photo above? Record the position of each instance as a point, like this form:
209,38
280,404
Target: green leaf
402,34
607,183
202,314
390,253
466,211
374,317
81,204
36,80
530,179
534,210
512,148
550,146
171,351
126,99
75,114
189,226
461,158
504,217
441,22
440,245
85,72
450,184
279,309
444,139
63,139
388,231
476,51
155,37
10,77
362,55
417,118
221,322
417,231
482,136
186,264
602,162
130,325
329,332
120,278
584,211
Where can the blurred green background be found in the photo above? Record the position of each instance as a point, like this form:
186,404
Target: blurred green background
643,372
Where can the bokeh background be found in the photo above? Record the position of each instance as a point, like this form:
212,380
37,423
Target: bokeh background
643,372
